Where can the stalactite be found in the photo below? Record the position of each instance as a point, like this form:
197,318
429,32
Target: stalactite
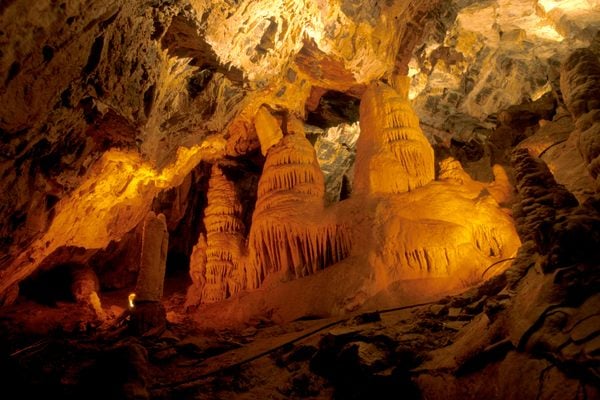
390,140
290,231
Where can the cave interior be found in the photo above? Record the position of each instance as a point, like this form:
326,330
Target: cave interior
300,199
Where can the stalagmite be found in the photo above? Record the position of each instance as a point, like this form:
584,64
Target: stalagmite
216,265
84,282
153,259
197,272
149,313
290,231
452,229
85,287
391,141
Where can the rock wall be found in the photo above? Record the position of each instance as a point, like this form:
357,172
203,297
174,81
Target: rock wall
482,57
580,84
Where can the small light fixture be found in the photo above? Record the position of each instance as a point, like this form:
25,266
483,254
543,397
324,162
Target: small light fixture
131,299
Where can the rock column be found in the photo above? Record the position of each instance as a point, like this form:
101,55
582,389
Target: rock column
148,312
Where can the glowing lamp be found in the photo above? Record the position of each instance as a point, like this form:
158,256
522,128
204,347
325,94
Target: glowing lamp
131,299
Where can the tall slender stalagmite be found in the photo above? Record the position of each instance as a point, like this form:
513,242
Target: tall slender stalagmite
223,271
149,313
153,261
290,231
391,141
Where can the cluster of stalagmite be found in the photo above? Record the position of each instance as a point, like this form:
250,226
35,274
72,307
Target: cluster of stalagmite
580,85
223,269
290,231
541,198
417,227
197,272
391,141
558,304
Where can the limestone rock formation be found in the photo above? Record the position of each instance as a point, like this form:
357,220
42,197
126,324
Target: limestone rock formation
155,242
223,269
106,104
482,57
267,129
580,84
148,314
84,282
196,109
392,141
197,272
541,197
290,232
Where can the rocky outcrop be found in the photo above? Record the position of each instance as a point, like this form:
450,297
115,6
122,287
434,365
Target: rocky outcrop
537,319
336,152
580,84
481,58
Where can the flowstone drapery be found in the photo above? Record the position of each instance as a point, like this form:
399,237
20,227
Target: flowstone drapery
451,229
290,232
393,155
399,225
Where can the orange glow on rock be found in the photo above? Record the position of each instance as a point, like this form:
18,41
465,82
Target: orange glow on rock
113,199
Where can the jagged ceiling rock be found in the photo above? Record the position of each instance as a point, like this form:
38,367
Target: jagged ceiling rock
486,56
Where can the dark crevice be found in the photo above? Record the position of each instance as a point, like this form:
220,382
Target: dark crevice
149,100
95,55
13,71
47,53
334,108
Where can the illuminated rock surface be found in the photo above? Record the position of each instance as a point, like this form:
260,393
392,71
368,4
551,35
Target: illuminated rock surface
223,273
317,166
391,140
291,233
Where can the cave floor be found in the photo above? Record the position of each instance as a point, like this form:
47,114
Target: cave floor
61,350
